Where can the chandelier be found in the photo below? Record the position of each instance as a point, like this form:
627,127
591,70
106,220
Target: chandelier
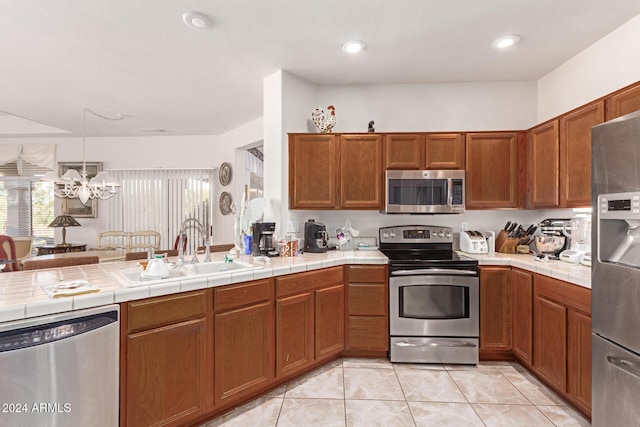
74,185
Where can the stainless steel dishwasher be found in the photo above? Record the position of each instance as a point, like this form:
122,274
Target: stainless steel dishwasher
61,370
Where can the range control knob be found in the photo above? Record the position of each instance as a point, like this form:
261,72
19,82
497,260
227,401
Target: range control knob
393,235
385,235
447,235
440,234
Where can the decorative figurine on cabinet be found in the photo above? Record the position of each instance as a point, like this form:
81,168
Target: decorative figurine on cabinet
325,124
371,129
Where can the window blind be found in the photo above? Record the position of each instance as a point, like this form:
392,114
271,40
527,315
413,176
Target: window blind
160,200
26,208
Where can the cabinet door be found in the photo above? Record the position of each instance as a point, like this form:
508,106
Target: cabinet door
579,359
495,309
329,311
444,151
492,170
403,151
522,315
313,171
243,351
166,374
544,159
361,174
550,338
294,333
624,102
575,154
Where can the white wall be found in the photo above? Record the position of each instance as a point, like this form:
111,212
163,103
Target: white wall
609,64
431,107
420,107
205,151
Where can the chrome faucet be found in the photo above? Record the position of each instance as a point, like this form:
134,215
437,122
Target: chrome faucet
200,228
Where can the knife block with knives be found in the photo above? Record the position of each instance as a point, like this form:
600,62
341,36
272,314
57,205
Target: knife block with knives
512,236
506,244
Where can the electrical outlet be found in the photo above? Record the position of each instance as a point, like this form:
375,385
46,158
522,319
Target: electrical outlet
293,226
464,226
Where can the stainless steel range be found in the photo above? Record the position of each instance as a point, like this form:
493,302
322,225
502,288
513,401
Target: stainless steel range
433,296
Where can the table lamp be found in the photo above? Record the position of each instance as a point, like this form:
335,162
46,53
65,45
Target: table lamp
64,221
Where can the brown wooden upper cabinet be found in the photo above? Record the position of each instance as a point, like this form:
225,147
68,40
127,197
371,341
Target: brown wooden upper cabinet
361,176
424,151
492,178
623,102
313,171
575,154
444,150
544,162
403,151
335,171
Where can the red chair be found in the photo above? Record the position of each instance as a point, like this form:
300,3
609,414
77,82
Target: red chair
8,251
184,242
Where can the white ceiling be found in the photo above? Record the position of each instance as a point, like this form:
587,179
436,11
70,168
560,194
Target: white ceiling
137,57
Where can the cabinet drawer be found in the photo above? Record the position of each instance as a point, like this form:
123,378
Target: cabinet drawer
303,282
228,297
367,299
368,333
165,310
367,274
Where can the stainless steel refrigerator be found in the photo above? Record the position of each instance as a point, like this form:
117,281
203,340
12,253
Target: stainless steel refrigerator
615,273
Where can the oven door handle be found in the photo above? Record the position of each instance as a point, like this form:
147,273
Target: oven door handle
435,344
447,271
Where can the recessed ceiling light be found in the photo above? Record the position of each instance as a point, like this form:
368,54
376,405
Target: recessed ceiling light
506,41
196,20
353,46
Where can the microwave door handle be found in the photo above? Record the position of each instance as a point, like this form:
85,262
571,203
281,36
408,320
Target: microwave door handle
449,271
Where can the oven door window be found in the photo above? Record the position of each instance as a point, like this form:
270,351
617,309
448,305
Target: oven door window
430,192
434,302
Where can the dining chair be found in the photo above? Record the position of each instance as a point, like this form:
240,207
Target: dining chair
24,246
144,239
8,252
131,256
38,264
113,240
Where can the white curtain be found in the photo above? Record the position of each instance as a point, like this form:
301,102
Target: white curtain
43,156
160,200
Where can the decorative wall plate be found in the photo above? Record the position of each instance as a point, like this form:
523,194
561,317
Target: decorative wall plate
225,203
225,174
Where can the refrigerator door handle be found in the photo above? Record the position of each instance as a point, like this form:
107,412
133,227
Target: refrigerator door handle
625,365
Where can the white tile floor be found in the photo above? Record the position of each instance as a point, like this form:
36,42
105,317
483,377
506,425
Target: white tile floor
374,392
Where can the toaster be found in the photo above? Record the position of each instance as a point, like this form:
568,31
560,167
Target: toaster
473,242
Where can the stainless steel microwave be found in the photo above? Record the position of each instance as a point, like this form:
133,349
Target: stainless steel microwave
424,191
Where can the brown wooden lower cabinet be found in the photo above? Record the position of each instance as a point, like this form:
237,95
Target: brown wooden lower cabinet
309,319
165,360
367,310
562,339
329,321
294,333
495,312
243,351
522,315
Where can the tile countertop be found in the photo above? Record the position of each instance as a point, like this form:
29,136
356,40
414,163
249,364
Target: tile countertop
573,273
21,294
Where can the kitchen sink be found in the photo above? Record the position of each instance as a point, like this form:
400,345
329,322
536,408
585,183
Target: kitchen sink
131,278
220,267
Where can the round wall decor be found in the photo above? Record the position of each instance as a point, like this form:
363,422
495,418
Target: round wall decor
225,203
225,174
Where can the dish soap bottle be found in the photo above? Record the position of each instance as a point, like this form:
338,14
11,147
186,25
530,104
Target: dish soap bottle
156,269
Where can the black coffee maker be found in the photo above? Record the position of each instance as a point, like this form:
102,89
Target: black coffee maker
263,240
315,237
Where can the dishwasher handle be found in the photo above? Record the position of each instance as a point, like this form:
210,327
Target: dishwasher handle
51,332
